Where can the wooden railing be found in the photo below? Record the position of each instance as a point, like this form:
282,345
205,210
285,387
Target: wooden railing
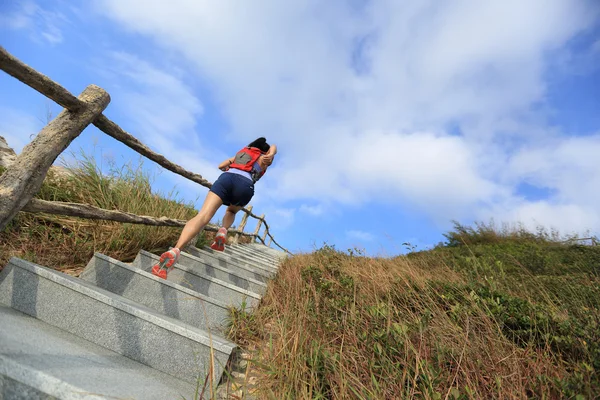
23,179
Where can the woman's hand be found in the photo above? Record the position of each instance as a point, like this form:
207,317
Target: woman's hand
267,160
224,166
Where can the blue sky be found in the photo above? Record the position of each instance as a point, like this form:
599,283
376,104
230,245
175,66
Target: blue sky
392,118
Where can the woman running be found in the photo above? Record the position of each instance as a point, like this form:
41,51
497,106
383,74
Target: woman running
234,188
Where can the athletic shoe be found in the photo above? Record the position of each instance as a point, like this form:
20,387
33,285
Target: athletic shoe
166,263
220,240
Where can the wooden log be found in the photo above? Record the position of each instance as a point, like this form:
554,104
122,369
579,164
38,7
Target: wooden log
258,225
62,96
91,212
264,236
23,179
38,81
236,238
115,131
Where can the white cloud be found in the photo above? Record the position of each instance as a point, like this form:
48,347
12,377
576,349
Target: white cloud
280,219
44,25
314,210
360,235
163,112
368,123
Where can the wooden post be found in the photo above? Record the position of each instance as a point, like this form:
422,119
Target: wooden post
23,179
264,236
269,244
255,234
236,238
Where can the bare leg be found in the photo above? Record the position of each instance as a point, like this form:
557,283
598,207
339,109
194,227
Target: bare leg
194,225
229,216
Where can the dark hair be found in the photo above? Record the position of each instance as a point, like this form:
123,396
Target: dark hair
260,143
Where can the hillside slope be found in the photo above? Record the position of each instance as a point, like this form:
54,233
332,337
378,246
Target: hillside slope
486,315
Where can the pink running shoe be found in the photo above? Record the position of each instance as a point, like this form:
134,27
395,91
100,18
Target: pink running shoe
166,263
220,240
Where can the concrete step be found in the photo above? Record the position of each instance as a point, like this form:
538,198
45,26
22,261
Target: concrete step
163,296
239,258
228,274
114,322
252,254
256,253
226,260
267,250
241,269
40,361
198,282
250,250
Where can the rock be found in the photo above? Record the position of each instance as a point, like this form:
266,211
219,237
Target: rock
7,154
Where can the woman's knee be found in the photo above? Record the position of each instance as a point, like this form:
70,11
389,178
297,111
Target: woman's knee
233,209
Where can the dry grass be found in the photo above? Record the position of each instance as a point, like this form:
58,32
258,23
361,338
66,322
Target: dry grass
341,326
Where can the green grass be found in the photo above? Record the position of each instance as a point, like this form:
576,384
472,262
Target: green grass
489,314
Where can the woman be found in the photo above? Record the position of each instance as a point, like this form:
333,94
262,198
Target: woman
234,188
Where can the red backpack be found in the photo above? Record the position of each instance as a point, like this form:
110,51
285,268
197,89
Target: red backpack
245,159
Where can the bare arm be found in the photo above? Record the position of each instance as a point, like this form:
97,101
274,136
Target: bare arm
224,166
267,159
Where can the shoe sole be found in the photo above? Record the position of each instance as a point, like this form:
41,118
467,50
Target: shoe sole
219,244
165,264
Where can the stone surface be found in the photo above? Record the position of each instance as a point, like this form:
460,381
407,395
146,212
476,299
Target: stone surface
112,321
230,258
39,361
7,154
163,296
255,250
241,257
242,268
191,263
266,249
254,255
215,288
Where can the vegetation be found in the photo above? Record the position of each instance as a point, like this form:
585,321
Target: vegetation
488,314
67,243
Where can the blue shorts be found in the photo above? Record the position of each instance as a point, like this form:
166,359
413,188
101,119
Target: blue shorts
233,189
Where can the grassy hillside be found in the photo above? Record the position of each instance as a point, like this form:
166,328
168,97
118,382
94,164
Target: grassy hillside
68,243
486,315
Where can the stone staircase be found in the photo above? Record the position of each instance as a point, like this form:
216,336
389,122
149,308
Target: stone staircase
119,332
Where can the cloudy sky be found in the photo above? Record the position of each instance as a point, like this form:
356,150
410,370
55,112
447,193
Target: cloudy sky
392,118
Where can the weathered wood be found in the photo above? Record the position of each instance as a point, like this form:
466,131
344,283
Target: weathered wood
62,96
91,212
38,81
264,236
236,238
115,131
269,244
258,226
24,177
